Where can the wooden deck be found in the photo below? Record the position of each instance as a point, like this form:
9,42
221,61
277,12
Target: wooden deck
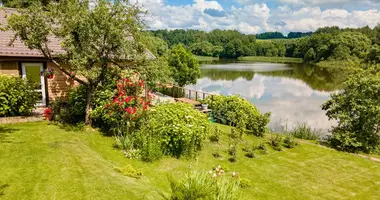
189,101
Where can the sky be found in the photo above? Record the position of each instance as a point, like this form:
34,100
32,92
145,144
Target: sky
258,16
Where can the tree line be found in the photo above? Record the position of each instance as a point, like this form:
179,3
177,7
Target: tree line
327,43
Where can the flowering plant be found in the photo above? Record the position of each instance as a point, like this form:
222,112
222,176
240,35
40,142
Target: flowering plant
48,113
49,72
129,105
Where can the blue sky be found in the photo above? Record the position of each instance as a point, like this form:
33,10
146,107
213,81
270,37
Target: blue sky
256,16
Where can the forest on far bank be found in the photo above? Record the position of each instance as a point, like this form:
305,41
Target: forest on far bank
325,44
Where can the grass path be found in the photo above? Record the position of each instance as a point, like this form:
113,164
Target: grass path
41,161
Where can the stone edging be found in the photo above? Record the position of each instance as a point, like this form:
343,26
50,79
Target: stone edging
12,120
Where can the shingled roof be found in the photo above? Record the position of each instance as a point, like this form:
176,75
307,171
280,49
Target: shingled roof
18,49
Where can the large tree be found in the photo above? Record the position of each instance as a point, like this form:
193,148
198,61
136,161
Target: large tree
184,66
95,39
357,110
24,3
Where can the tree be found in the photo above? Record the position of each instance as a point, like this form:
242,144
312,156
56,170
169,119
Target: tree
156,45
185,68
357,110
24,3
95,41
374,54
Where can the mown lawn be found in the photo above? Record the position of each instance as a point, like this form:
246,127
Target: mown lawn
46,161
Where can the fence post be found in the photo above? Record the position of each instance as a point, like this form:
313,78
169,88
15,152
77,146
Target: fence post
196,95
204,96
189,94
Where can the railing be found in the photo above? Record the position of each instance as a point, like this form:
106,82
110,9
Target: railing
181,92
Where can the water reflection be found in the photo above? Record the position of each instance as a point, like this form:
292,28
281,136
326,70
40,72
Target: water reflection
292,93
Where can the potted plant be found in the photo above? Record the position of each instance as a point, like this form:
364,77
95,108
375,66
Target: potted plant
48,73
48,113
204,106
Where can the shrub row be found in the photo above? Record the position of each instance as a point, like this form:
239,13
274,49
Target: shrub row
236,111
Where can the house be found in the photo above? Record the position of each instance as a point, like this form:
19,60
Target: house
18,60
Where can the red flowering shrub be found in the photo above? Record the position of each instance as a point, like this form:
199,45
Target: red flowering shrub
128,106
48,112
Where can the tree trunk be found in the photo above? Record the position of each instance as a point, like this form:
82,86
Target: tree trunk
88,120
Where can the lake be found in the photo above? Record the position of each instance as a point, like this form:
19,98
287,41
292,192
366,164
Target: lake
293,93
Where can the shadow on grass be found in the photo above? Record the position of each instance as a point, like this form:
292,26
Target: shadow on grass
2,188
5,133
80,127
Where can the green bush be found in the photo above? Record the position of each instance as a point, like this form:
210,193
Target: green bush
215,135
17,96
151,148
357,108
305,132
276,142
73,110
236,111
130,171
200,185
180,128
289,142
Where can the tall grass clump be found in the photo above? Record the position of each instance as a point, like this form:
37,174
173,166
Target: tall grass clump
200,185
304,131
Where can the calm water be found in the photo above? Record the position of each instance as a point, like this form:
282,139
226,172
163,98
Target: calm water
293,93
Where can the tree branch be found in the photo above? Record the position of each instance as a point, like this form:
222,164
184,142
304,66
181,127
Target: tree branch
68,73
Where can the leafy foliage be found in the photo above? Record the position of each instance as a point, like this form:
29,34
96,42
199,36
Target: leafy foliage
215,135
17,96
236,111
275,141
93,38
304,131
357,110
199,185
179,127
130,171
184,66
289,141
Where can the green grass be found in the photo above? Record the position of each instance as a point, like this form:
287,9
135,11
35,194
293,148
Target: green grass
207,58
44,161
271,59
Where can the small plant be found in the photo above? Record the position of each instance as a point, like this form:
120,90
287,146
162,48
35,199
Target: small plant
124,142
216,154
151,149
289,142
246,147
199,185
244,183
48,113
275,142
215,136
250,154
233,134
232,149
232,159
129,171
48,73
262,148
305,132
132,153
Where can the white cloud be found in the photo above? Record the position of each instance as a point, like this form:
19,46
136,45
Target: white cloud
252,17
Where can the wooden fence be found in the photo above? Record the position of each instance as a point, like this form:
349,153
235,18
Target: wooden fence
181,92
